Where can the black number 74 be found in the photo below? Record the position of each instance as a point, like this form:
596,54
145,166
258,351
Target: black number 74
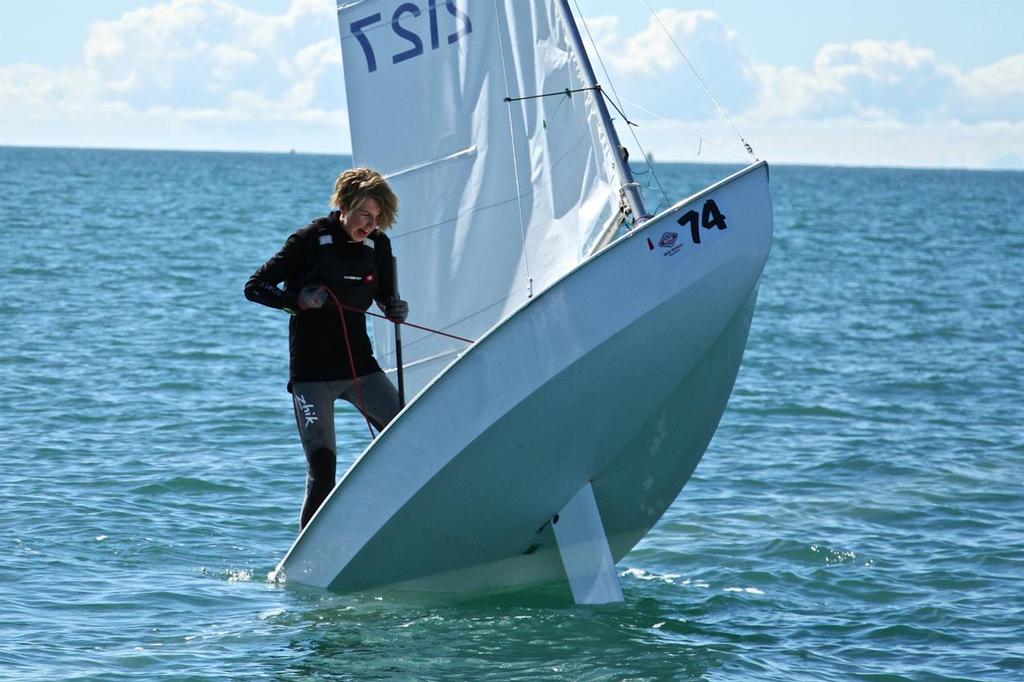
710,217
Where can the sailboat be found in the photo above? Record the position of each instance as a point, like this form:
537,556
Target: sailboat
590,348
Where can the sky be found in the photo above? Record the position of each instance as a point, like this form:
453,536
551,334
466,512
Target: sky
937,83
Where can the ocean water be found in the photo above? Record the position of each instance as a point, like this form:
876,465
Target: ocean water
858,515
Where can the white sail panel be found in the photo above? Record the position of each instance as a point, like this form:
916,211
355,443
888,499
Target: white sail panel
426,82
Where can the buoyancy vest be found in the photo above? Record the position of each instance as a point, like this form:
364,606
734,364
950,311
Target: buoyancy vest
357,273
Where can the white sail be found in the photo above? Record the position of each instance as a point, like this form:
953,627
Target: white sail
498,199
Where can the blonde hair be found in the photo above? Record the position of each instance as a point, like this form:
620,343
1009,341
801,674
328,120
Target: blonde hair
356,185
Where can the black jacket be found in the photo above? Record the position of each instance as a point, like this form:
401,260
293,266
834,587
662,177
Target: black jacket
357,273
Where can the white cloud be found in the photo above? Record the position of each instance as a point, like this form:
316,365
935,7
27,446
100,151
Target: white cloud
190,52
997,91
184,70
789,92
652,51
862,102
213,74
647,66
868,79
875,80
229,59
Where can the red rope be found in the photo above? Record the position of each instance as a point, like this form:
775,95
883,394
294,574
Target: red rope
351,360
408,324
348,347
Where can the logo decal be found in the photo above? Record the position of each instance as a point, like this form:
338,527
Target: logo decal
668,239
307,409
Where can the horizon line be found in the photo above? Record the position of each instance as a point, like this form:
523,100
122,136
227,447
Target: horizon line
655,160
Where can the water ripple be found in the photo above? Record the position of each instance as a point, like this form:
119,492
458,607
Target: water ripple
858,514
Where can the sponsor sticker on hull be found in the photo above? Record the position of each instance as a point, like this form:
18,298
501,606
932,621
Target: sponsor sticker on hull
671,244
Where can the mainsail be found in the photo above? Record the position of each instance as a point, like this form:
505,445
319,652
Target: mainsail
502,191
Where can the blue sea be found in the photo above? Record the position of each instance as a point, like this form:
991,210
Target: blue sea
858,515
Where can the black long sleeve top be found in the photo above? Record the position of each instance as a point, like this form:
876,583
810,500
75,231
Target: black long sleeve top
358,273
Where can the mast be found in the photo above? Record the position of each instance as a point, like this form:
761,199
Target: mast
628,187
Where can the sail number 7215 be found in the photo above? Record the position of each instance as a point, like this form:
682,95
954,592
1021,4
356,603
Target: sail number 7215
409,13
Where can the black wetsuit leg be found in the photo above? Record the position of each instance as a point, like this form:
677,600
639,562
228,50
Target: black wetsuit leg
314,415
375,396
379,395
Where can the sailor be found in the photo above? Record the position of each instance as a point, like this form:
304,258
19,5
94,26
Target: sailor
345,258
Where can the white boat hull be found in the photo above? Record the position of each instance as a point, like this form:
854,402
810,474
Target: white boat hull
615,376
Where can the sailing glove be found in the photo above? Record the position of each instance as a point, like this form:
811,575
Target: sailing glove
311,297
397,310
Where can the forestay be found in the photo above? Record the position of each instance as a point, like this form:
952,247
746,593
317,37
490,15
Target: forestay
498,199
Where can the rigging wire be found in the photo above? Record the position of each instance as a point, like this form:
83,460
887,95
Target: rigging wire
701,139
567,92
607,76
706,88
648,173
515,157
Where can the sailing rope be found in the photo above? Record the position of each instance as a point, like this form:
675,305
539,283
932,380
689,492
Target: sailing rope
341,307
618,107
515,158
408,324
352,362
706,88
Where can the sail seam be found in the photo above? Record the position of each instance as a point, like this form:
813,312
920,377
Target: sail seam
602,135
456,218
628,196
452,324
515,157
462,153
422,361
619,107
